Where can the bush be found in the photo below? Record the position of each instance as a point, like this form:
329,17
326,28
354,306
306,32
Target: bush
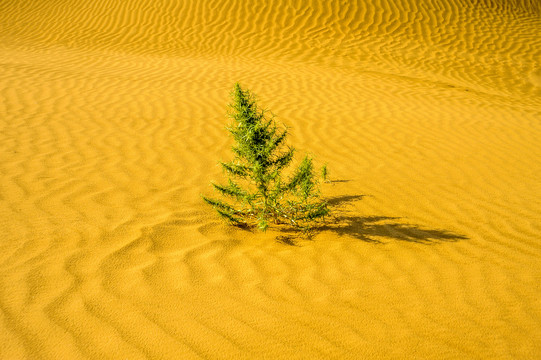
256,184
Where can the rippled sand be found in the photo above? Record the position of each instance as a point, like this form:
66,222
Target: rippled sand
112,117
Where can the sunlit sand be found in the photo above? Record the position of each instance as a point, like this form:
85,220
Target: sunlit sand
113,115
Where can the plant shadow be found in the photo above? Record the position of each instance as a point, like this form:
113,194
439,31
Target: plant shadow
373,229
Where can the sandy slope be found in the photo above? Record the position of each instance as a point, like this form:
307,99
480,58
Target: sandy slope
112,121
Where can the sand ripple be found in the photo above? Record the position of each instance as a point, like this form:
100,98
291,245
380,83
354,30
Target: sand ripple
427,112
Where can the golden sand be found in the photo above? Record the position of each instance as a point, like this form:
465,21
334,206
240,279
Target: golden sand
428,114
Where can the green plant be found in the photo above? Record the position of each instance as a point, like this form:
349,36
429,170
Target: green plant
325,173
257,190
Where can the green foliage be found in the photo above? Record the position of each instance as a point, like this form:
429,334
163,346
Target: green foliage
257,191
325,173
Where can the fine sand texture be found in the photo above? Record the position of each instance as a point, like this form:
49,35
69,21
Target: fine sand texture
112,123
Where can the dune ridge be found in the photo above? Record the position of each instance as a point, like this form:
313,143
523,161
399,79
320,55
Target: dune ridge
113,115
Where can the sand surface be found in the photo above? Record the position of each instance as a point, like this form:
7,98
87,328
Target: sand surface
112,116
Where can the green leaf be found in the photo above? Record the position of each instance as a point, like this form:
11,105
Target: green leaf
229,217
236,169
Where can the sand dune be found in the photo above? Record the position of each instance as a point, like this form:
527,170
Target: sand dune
112,122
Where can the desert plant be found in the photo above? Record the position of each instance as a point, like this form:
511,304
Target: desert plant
256,184
325,173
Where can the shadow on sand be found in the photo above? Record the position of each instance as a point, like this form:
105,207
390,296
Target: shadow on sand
373,229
